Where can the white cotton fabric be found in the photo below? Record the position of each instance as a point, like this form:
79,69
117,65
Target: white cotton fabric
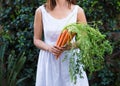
52,72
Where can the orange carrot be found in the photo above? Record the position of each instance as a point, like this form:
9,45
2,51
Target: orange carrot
58,40
68,37
65,40
61,38
64,37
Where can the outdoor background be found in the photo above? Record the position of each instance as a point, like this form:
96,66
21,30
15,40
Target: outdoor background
18,55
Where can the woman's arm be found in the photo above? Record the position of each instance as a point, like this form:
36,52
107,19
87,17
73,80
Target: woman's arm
38,27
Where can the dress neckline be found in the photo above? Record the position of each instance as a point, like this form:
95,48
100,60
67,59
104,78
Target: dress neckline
61,19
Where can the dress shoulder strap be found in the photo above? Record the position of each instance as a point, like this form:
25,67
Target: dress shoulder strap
76,9
42,8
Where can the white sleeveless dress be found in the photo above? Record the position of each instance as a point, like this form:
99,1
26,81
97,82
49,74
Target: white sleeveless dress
52,72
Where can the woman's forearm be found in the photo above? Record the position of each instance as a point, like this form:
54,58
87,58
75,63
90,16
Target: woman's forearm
40,44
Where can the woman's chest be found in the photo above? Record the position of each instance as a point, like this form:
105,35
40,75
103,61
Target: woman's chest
60,13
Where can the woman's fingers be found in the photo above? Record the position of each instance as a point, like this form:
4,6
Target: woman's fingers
55,50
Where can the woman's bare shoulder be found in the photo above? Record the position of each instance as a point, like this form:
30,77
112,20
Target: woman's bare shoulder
81,15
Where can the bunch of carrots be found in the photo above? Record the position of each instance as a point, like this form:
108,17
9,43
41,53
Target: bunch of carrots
92,45
64,38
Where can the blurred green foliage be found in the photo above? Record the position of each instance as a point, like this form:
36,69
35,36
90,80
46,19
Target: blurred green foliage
17,17
10,67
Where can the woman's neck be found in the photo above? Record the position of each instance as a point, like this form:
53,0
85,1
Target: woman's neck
61,3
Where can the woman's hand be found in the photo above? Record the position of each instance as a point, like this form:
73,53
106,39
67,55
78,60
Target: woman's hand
55,50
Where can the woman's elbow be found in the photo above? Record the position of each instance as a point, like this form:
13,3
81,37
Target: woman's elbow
34,41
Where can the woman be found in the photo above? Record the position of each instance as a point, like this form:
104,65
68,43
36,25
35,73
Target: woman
50,19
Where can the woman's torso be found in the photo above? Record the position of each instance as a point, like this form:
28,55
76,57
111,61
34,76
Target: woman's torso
53,26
